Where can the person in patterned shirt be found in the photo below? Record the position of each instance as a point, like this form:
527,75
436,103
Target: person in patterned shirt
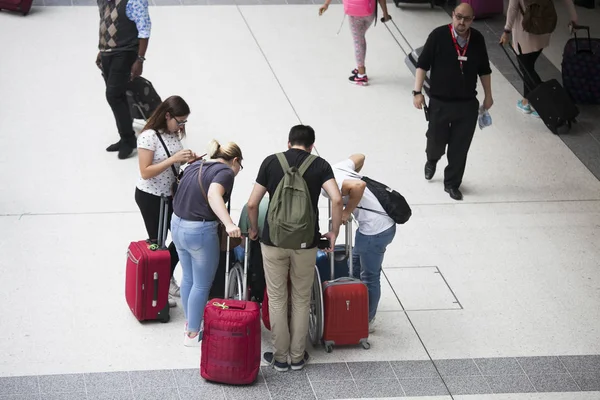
123,40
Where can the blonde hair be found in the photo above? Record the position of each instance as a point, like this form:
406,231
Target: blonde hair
227,151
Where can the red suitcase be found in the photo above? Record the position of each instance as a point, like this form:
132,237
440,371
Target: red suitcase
486,8
346,306
22,6
148,274
231,337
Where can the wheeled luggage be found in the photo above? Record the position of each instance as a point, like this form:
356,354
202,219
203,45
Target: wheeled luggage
231,337
400,2
581,68
551,101
148,274
21,6
142,98
346,305
340,257
486,8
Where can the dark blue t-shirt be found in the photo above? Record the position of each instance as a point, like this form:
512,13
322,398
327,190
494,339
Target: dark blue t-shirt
189,202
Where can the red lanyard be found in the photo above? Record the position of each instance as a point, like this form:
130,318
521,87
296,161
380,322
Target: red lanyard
461,52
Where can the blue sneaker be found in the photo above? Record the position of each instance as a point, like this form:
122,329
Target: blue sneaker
300,364
534,113
524,108
279,366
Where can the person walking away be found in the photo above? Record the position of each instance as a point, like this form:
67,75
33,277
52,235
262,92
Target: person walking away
455,55
376,230
198,206
531,28
125,27
284,257
361,14
160,156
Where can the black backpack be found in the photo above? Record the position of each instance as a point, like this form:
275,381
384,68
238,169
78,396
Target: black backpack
395,205
142,98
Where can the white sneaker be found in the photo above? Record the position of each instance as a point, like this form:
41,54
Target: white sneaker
172,302
192,342
174,289
372,325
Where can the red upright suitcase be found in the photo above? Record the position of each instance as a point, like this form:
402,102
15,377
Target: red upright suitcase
346,306
22,6
148,274
231,337
486,8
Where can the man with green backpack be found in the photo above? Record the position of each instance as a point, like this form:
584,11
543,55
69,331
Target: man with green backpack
290,237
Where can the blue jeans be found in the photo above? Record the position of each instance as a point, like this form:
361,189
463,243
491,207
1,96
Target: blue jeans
198,248
367,257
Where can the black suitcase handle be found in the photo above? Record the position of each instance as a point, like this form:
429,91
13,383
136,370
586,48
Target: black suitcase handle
574,29
519,72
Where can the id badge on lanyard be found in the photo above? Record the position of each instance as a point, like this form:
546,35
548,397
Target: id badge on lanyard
461,52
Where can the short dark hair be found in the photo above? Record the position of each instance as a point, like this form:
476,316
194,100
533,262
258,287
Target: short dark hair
302,135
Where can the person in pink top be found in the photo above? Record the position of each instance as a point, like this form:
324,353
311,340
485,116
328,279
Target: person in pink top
361,14
529,46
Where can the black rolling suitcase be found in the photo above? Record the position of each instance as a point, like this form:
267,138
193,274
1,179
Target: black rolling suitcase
551,101
432,3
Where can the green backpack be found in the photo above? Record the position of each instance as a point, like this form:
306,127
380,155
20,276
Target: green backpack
291,216
539,16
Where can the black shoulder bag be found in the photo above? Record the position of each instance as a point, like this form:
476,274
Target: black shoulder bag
177,175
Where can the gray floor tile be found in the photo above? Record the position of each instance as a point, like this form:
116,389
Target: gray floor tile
167,2
188,378
247,2
554,383
110,395
156,394
379,388
423,387
588,381
414,369
458,367
297,390
57,2
581,364
300,2
221,2
194,2
141,380
271,2
85,3
462,385
499,366
270,375
62,383
541,365
371,370
19,385
204,392
335,390
63,396
510,384
117,381
21,397
254,392
327,372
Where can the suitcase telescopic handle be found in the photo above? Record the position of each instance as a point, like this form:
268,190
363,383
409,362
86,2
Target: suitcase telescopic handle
576,28
513,63
347,244
163,217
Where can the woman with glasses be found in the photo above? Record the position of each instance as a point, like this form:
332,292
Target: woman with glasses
160,155
198,208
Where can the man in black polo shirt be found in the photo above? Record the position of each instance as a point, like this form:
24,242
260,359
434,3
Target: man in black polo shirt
299,265
455,54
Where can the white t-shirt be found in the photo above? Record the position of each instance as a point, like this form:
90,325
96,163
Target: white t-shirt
161,183
369,222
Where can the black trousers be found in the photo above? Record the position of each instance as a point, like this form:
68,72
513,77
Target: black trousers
451,124
116,69
527,66
149,205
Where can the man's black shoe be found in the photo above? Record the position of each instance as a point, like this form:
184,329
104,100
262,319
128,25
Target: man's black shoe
114,147
454,193
125,150
429,170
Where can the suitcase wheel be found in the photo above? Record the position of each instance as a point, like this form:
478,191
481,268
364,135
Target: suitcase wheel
366,345
165,319
328,348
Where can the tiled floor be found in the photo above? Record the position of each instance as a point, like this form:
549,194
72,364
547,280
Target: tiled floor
510,272
350,380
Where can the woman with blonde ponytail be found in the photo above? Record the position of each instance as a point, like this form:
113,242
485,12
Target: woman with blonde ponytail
198,206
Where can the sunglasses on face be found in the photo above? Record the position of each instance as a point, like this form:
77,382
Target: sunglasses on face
460,17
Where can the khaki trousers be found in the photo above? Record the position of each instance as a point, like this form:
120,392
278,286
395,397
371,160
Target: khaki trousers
300,265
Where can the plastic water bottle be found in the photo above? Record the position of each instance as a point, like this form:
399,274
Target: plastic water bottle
485,119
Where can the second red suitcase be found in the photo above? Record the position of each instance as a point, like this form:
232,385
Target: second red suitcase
346,306
148,274
231,337
22,6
